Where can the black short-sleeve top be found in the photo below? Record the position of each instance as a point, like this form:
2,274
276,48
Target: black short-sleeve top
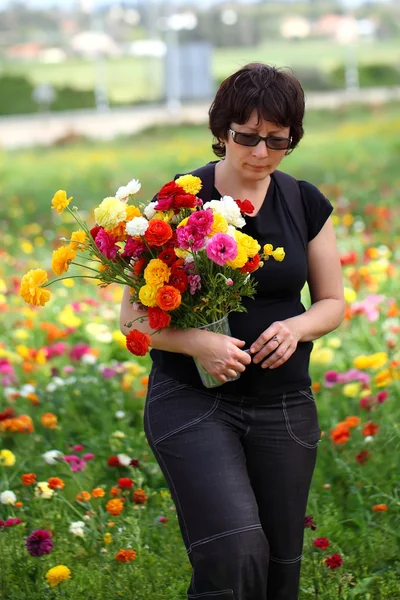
279,285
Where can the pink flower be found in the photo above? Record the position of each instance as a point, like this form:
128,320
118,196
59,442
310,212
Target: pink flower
189,238
202,221
331,377
221,248
229,281
106,244
368,306
133,248
88,456
382,396
78,448
194,283
78,351
10,522
164,203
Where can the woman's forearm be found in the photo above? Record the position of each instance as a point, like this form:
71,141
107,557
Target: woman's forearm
321,318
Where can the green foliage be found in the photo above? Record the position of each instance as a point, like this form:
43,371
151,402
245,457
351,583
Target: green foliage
370,75
16,95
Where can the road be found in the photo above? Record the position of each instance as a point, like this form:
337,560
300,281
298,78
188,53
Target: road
44,129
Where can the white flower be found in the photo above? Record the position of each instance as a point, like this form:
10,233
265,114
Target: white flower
51,387
119,414
150,211
228,208
126,190
369,439
10,393
124,459
86,517
43,490
231,231
51,455
77,528
8,497
137,226
88,359
27,389
58,381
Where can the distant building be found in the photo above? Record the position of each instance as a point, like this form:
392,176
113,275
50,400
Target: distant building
90,44
25,51
295,27
343,28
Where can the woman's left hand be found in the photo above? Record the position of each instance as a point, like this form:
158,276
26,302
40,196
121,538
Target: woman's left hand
278,342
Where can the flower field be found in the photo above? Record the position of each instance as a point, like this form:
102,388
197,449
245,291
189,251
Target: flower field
84,509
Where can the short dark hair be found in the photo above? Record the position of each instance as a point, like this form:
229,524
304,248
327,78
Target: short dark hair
274,93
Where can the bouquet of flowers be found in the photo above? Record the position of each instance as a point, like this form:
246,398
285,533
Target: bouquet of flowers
187,263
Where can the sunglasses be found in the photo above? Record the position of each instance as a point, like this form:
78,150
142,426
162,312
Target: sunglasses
252,139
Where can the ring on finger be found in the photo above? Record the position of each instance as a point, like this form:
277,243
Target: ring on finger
275,338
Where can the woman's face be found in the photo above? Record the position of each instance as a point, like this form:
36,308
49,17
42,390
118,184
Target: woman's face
255,163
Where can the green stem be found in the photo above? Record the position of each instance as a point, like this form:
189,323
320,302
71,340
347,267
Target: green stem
85,267
69,277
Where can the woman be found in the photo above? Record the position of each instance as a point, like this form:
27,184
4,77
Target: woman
239,458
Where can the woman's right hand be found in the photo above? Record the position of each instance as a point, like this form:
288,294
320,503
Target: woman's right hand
221,355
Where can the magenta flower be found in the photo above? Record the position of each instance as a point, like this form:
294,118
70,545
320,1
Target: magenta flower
194,283
164,203
221,248
133,248
78,448
39,542
202,221
106,244
189,238
88,456
78,351
10,522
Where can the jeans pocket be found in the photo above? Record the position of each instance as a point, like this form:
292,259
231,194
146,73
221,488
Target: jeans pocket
308,394
174,408
223,595
301,418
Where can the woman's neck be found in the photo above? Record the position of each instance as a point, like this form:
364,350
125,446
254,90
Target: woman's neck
229,182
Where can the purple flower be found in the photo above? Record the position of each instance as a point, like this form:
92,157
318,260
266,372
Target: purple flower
221,248
189,238
39,542
108,372
106,244
194,283
202,221
309,522
331,377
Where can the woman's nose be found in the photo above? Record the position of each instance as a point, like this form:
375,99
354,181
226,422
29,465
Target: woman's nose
260,150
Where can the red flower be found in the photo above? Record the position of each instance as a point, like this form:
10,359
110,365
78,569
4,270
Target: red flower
348,259
168,190
168,256
158,319
113,461
370,429
184,201
135,462
362,456
139,265
251,265
334,561
382,396
158,232
178,279
245,206
125,482
8,413
94,231
138,343
309,522
322,543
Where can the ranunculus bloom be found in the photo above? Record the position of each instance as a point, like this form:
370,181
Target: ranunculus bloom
334,561
39,542
370,429
194,283
189,238
115,507
322,543
31,289
309,522
158,319
168,298
139,496
221,248
168,256
245,206
62,258
202,221
125,482
138,343
251,265
106,244
178,279
158,232
133,247
125,555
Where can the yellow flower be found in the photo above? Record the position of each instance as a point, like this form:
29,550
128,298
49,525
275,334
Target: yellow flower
43,490
322,356
119,337
183,222
147,295
30,289
110,213
107,538
7,458
334,342
383,378
68,283
268,249
60,201
131,212
279,254
347,220
350,295
156,273
240,260
248,243
78,240
180,253
220,225
163,216
351,390
26,247
190,183
68,318
373,361
62,258
57,574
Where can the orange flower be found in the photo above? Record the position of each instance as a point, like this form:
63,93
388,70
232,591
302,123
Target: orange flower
380,507
98,492
131,212
20,424
168,298
352,421
49,420
115,491
370,429
62,258
341,433
18,505
28,478
144,380
115,507
56,483
125,555
316,386
83,496
139,496
158,232
34,399
118,233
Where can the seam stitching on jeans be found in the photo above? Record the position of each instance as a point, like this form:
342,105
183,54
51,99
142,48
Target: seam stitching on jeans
169,391
162,382
194,422
289,429
210,594
241,416
307,395
287,561
224,534
160,458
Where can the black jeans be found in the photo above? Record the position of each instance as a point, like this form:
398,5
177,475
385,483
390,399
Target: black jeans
239,471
